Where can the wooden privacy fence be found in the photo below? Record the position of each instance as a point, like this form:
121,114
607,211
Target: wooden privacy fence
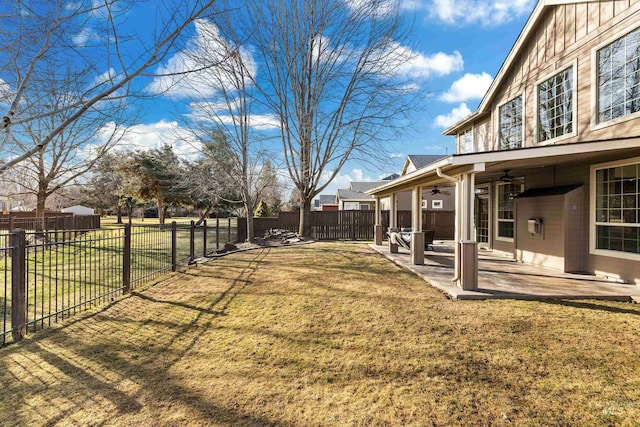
350,225
51,222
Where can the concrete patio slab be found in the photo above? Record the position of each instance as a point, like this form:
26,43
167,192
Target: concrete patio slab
501,277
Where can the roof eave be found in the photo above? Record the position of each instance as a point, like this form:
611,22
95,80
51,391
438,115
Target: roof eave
410,176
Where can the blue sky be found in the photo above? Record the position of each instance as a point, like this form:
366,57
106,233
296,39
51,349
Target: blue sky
460,46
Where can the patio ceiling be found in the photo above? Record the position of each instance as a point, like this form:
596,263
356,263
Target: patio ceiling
491,165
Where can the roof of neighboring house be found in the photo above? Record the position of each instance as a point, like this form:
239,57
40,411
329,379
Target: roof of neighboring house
391,177
348,194
327,199
420,160
484,106
363,186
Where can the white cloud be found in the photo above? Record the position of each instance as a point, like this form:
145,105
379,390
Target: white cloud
457,114
154,135
190,73
383,7
396,155
486,12
417,65
469,86
221,113
344,180
85,35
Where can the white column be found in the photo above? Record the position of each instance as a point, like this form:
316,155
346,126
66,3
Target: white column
393,210
378,232
417,237
393,220
468,245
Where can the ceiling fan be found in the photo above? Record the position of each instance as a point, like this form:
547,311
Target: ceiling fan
506,177
436,190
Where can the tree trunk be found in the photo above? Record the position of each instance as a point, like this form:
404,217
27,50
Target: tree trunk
203,215
119,213
41,199
130,213
250,231
305,218
160,211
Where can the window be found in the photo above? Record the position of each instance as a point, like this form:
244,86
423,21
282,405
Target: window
555,106
506,209
510,124
619,78
466,141
365,206
617,208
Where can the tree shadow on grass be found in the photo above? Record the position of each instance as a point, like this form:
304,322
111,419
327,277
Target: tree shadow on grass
594,306
113,357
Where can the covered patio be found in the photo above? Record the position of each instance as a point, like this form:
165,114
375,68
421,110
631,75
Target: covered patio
501,277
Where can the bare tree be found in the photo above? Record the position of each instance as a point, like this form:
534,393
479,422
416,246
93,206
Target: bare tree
72,152
334,75
41,37
224,116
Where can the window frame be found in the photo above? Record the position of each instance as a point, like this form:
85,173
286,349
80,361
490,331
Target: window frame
497,237
497,113
592,212
573,66
461,138
595,84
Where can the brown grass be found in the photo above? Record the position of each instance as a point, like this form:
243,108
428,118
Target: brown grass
325,334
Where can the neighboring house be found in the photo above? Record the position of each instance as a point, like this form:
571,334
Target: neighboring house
79,210
354,198
548,166
327,202
418,161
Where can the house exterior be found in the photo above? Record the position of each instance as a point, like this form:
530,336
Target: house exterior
354,197
79,210
327,202
547,169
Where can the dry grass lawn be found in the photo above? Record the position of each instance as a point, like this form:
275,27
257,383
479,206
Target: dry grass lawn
325,334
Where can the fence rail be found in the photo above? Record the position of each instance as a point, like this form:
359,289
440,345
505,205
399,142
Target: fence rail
45,280
50,222
355,225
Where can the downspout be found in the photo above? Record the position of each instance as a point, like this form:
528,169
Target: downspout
457,220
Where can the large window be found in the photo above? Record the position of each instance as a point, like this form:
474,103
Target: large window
506,209
555,106
619,78
617,208
510,124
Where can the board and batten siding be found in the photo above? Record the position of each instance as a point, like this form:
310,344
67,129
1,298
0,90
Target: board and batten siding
565,36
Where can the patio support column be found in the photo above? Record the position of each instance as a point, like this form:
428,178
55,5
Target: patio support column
457,222
393,220
378,231
468,244
417,237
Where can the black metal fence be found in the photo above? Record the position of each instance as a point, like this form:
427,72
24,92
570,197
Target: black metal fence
45,281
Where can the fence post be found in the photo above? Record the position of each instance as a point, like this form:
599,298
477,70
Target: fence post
174,244
229,230
192,241
204,238
217,233
18,285
11,223
126,260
